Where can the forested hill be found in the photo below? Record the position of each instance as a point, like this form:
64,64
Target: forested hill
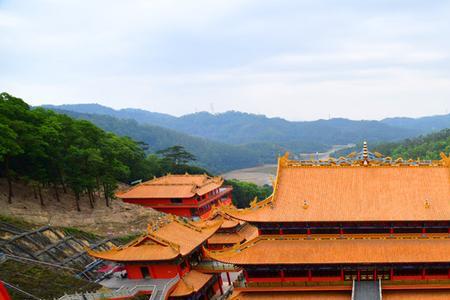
214,156
423,147
43,149
242,128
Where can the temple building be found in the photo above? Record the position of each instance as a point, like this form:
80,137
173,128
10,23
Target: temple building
358,227
231,232
186,195
164,260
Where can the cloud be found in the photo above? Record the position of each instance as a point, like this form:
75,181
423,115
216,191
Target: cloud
295,59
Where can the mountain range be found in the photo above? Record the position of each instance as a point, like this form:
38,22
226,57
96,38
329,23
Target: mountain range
233,139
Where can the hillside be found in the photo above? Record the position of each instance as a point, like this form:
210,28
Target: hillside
423,147
214,156
118,219
239,128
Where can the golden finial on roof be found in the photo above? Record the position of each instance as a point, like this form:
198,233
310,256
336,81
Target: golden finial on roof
283,160
365,153
427,203
305,204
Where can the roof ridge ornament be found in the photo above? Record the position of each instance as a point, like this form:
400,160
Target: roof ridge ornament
365,154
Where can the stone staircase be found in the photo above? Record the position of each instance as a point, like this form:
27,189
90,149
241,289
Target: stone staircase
366,290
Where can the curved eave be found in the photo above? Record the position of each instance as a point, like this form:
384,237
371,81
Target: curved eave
117,255
271,250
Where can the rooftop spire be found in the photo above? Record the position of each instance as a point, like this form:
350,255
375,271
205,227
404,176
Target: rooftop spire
365,150
365,153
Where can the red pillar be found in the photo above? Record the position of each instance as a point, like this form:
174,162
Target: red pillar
309,275
229,279
359,275
281,231
282,275
392,273
245,275
341,231
424,230
375,275
391,230
423,273
220,284
342,274
308,231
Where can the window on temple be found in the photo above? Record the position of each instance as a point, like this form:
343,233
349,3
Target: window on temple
408,272
263,274
270,231
295,273
438,230
326,273
437,271
325,230
294,230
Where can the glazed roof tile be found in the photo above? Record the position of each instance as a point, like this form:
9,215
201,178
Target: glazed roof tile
173,186
293,295
174,238
191,282
351,250
372,192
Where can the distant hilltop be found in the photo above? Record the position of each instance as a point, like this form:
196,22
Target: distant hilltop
234,140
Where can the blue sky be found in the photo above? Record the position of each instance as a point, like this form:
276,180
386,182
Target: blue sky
300,60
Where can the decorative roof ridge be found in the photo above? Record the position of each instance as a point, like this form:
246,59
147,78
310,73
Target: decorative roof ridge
156,238
231,209
216,254
199,227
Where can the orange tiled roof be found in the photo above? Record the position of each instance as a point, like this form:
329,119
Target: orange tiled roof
374,249
293,295
372,192
174,238
173,186
417,294
245,233
192,282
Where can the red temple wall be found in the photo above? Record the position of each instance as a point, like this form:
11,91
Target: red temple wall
133,271
163,271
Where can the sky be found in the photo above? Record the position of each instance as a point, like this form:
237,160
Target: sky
299,60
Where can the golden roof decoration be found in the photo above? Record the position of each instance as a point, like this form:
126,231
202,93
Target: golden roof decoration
165,239
341,190
173,186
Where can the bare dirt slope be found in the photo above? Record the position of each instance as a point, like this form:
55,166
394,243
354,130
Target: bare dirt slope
117,220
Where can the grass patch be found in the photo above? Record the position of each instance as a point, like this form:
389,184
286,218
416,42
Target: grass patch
123,240
18,222
81,234
40,281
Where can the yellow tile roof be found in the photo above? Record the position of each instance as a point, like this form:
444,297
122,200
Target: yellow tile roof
417,294
192,282
374,249
335,295
174,238
173,186
307,193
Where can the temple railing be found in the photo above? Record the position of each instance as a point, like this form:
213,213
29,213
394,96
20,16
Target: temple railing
216,266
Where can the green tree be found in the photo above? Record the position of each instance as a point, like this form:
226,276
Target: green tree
245,192
177,155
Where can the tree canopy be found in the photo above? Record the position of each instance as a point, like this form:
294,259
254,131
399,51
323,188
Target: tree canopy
53,150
